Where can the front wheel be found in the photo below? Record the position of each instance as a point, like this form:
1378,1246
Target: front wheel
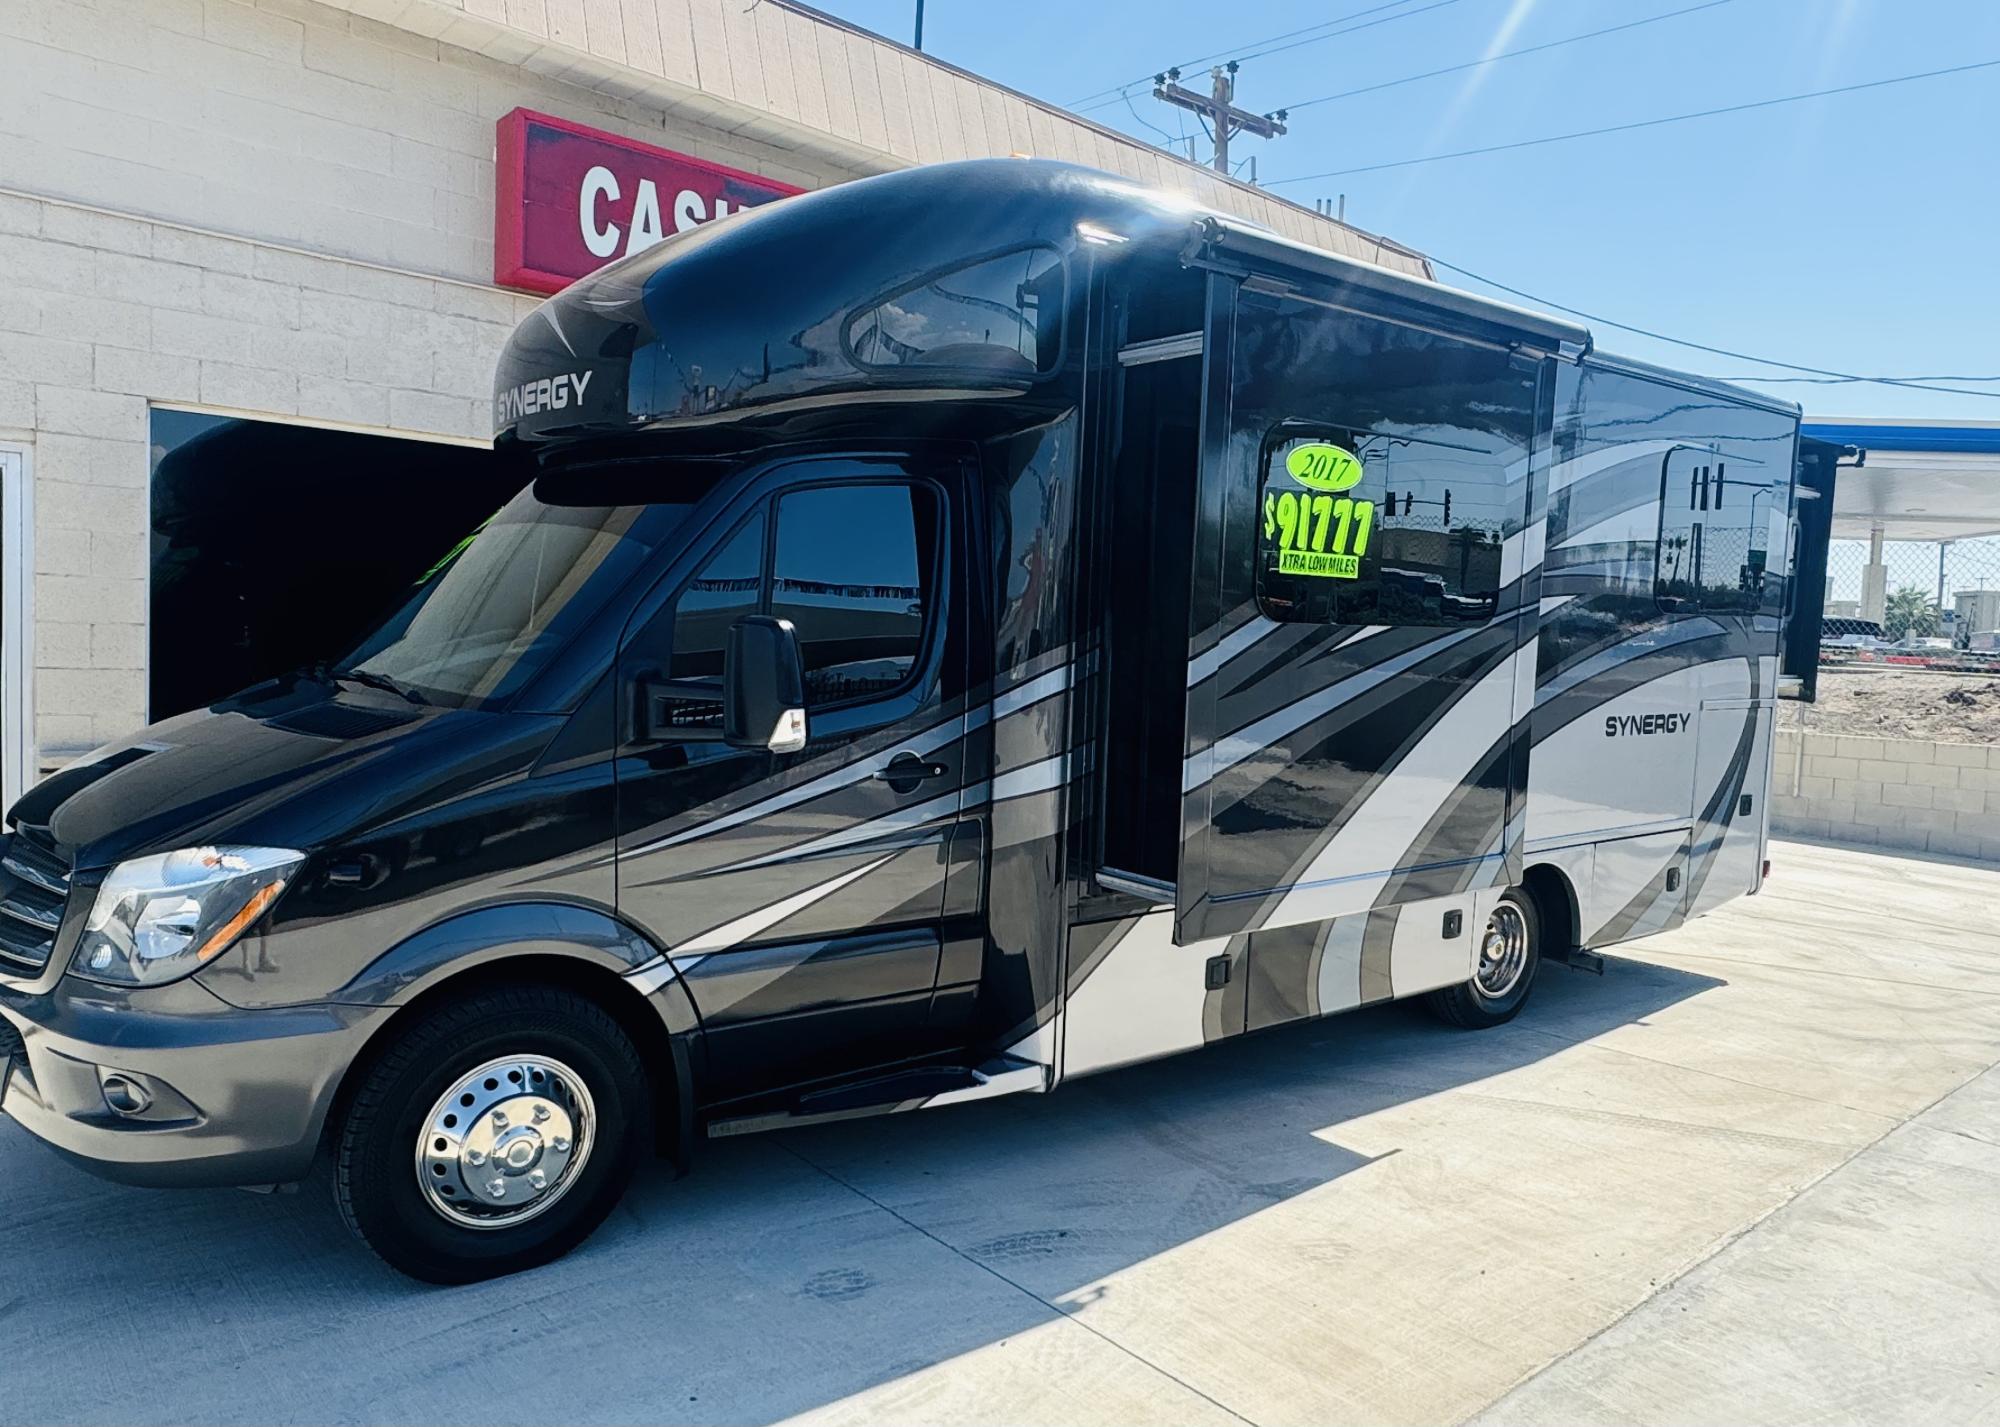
1509,953
493,1134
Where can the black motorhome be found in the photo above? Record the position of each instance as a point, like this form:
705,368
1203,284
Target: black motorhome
958,631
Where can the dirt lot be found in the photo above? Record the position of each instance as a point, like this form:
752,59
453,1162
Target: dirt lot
1888,703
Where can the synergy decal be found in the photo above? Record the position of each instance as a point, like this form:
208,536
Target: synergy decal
546,394
1640,725
1318,533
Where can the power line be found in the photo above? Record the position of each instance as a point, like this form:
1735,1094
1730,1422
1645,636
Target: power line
1250,49
1640,123
1917,384
1509,54
1117,89
1836,381
1336,34
1144,120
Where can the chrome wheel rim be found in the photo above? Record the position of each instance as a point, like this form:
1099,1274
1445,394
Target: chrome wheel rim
1503,952
505,1142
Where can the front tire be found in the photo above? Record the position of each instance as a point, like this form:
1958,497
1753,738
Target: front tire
1509,955
493,1134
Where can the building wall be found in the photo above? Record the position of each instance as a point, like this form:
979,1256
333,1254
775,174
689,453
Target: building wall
284,208
1888,792
298,123
316,243
779,69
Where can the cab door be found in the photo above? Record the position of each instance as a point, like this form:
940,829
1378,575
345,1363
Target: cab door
1363,611
800,893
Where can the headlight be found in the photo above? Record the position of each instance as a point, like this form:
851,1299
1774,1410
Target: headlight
157,919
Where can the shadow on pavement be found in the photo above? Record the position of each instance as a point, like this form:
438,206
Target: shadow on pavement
789,1271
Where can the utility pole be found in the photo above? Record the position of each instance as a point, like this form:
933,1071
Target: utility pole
920,26
1218,109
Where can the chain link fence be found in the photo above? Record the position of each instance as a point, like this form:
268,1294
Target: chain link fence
1934,590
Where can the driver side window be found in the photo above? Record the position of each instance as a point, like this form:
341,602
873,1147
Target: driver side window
725,589
853,565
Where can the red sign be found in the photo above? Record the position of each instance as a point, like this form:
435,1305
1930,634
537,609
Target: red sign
569,199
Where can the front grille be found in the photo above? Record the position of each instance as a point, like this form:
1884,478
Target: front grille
34,887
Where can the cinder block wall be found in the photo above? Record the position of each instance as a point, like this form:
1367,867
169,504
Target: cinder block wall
1890,792
279,209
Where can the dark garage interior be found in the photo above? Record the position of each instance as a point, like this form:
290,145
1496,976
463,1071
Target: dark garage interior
276,545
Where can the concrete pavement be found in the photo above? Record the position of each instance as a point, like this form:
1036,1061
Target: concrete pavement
1750,1174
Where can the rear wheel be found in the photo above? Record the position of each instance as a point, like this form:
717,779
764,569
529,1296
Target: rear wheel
1509,953
492,1135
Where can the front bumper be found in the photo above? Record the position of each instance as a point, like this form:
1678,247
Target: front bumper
231,1096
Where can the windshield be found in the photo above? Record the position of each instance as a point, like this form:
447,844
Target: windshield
501,605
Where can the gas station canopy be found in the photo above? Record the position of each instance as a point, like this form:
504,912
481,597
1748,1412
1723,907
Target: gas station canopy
1916,480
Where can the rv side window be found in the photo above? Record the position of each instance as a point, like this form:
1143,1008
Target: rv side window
855,571
1001,314
1365,527
1724,526
721,592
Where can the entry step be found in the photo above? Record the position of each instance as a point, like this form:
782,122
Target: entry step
919,1087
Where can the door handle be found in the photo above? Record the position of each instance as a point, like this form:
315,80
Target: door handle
906,770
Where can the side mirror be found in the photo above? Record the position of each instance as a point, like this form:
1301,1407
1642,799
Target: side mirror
763,686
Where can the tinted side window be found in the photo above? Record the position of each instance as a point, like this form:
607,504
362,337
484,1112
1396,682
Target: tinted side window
1361,528
1002,313
854,571
1723,532
721,592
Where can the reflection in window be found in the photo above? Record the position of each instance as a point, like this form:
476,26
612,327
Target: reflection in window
722,592
1723,528
1413,538
525,584
270,549
852,572
1003,314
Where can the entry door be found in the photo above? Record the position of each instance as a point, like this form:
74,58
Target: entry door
1731,781
800,893
1361,668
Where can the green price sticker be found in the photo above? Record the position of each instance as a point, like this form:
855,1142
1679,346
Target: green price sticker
1323,466
1318,535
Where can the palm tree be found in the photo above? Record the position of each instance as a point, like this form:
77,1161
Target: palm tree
1909,611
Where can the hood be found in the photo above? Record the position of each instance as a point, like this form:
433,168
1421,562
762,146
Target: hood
296,762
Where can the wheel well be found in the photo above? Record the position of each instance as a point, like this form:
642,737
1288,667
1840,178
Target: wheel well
568,973
1555,900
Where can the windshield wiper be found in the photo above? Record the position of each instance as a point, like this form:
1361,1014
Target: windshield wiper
371,679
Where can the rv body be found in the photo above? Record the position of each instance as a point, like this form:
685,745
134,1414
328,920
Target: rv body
960,631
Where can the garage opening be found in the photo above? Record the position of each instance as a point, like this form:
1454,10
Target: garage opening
275,545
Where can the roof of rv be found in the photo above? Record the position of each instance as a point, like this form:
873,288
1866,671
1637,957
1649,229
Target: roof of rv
756,309
1742,395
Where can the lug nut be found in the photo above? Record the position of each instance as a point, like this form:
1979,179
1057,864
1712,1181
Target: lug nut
541,1113
497,1188
560,1144
475,1158
499,1119
537,1180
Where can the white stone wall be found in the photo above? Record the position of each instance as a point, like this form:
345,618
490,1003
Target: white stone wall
1889,792
284,208
227,323
277,209
298,123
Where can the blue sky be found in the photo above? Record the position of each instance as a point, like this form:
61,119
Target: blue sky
1856,233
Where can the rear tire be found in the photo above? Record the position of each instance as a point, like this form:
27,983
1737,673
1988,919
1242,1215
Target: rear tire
1509,955
493,1134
